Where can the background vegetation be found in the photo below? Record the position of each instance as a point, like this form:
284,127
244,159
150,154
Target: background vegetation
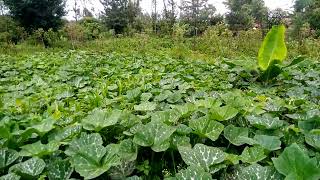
197,29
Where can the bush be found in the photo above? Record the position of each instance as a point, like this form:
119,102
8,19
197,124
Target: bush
74,32
10,31
219,41
92,28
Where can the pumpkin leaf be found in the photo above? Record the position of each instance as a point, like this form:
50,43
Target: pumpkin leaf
294,162
7,157
237,135
10,176
254,172
39,149
59,169
145,106
155,134
270,143
253,154
206,127
201,155
32,167
99,119
89,157
193,172
313,140
265,122
223,113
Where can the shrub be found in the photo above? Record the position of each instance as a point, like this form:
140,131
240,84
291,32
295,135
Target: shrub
10,31
92,28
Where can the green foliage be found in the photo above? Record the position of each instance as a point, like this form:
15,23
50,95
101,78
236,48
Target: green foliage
244,13
207,127
199,15
155,134
119,15
253,154
121,114
7,157
273,48
35,14
10,31
277,17
92,27
237,135
255,172
294,163
30,168
193,172
201,155
90,158
99,119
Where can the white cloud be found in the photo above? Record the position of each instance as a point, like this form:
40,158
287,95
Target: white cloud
147,5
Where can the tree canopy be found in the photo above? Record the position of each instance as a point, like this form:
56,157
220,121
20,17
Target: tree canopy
34,14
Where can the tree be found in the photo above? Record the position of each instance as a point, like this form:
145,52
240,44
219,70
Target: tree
120,14
76,10
35,14
313,15
246,13
277,17
154,15
169,13
239,17
199,14
259,12
306,11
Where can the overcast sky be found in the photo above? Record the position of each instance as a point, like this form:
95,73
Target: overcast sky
146,5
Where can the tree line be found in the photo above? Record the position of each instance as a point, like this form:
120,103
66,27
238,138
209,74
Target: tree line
122,16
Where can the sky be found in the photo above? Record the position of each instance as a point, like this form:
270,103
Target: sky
146,5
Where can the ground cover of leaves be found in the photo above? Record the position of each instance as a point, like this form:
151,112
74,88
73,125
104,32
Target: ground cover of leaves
77,114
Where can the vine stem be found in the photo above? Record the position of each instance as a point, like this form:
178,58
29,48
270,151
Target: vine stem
174,164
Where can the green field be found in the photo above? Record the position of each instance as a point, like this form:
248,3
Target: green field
152,114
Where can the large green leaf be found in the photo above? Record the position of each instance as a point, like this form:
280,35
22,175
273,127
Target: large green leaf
313,139
223,113
122,170
206,127
155,134
201,155
99,119
273,47
7,157
84,140
180,140
10,176
32,167
253,154
44,126
193,172
270,143
294,162
39,149
128,150
145,106
89,157
66,134
59,169
168,116
237,135
254,172
265,122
